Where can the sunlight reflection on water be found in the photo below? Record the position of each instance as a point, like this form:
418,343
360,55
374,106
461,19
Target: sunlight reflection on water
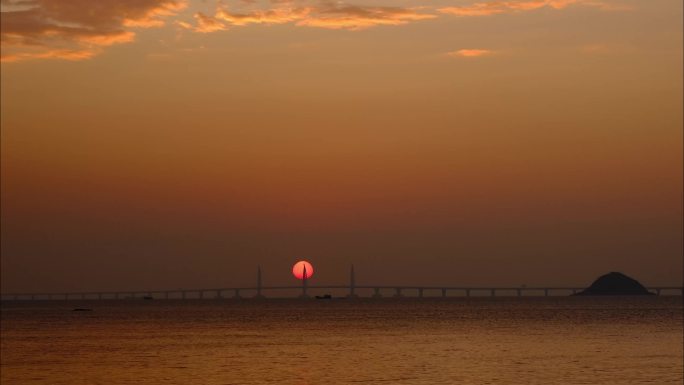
410,341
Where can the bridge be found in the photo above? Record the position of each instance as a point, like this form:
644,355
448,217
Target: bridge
379,291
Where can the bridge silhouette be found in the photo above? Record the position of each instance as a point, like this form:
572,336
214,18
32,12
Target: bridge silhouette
395,291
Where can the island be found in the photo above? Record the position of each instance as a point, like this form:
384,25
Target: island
615,283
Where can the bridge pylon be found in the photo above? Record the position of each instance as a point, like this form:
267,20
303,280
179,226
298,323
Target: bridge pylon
258,289
352,284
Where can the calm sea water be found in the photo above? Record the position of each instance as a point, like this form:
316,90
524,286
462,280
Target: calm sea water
556,340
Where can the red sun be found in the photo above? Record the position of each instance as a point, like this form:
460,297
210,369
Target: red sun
298,270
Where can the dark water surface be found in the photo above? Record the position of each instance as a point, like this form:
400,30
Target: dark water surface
555,340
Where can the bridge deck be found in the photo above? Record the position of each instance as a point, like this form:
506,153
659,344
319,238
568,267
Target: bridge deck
399,290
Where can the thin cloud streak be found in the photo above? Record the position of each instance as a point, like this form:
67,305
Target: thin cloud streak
55,54
271,16
470,53
500,7
358,18
327,16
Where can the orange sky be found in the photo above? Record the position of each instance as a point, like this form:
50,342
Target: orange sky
165,144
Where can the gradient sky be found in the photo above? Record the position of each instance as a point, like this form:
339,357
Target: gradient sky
161,144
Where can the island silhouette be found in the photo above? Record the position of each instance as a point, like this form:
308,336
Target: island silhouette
615,283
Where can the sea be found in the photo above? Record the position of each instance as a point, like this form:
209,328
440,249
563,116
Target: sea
476,340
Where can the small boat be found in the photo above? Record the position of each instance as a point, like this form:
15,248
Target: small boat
82,309
326,296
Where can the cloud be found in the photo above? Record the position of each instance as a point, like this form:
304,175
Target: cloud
75,29
207,24
357,18
322,15
470,53
81,29
271,16
499,7
54,54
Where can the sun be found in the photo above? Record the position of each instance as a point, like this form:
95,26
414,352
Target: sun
299,268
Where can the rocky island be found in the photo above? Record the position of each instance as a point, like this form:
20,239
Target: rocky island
615,284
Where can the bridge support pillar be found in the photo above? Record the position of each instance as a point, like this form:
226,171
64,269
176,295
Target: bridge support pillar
519,293
305,285
397,292
237,294
166,295
467,292
444,291
352,284
420,293
183,294
546,292
657,291
376,292
258,293
493,292
99,296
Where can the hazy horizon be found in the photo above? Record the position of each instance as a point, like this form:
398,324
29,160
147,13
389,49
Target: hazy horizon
162,144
